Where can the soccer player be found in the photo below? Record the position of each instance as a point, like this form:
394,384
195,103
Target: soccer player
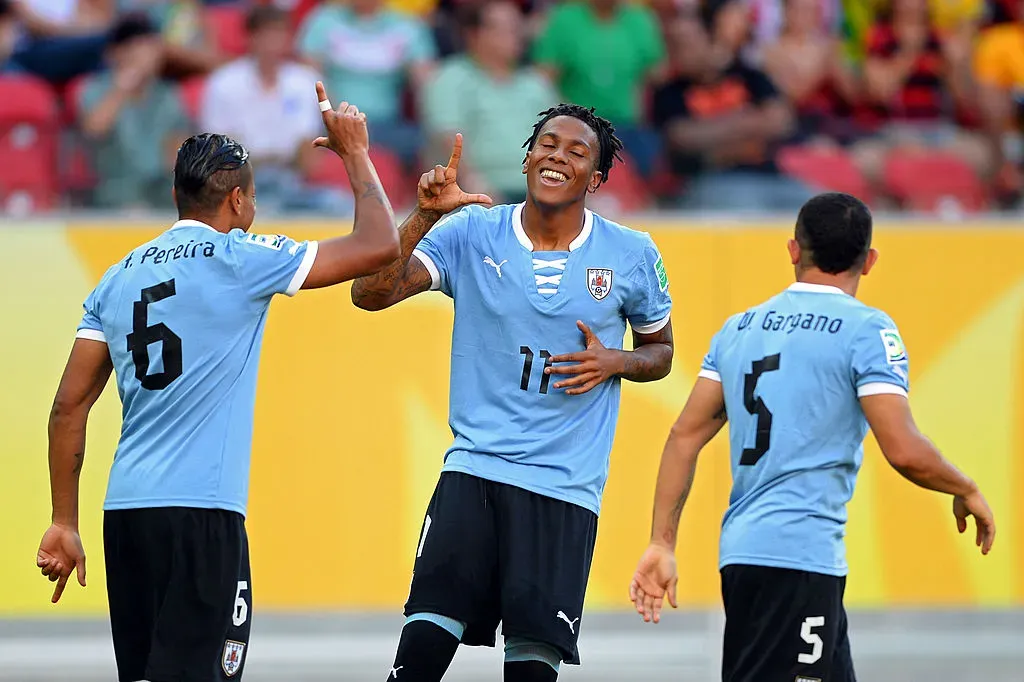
541,289
180,320
800,379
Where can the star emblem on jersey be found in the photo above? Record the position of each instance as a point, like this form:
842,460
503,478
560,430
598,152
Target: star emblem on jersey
599,282
497,266
571,623
231,661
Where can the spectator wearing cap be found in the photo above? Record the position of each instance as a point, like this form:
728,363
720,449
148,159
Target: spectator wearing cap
266,101
133,120
484,94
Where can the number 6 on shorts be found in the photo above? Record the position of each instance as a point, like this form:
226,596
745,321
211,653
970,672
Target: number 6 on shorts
811,638
241,610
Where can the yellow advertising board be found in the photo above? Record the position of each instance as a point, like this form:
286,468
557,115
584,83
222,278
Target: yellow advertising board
351,422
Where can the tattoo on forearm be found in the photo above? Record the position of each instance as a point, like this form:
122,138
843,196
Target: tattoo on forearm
371,190
79,458
649,362
406,276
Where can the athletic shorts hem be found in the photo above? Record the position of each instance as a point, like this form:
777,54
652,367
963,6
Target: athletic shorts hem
770,562
536,489
568,657
156,503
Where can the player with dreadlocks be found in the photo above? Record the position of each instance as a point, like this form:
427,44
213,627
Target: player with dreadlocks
541,288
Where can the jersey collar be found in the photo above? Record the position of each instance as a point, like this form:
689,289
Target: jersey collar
517,227
808,288
191,223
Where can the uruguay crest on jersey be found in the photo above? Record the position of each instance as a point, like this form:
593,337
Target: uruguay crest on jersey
231,660
599,282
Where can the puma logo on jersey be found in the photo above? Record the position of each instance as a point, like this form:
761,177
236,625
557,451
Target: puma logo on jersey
497,266
571,623
394,672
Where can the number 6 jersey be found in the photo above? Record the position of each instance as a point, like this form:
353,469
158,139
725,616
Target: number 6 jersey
183,318
514,309
793,371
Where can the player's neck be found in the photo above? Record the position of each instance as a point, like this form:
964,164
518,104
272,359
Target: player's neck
219,224
552,229
844,282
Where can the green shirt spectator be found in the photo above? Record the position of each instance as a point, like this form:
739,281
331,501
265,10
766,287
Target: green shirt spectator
600,54
365,53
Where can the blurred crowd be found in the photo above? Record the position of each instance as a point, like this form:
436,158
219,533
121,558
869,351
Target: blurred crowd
721,104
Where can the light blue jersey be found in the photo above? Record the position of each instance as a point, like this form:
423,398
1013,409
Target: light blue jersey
514,309
183,318
793,370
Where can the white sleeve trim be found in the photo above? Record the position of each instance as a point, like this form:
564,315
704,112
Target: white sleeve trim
299,278
91,334
428,263
653,327
710,374
880,388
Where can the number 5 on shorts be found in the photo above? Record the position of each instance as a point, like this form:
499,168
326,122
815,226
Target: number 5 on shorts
811,638
241,610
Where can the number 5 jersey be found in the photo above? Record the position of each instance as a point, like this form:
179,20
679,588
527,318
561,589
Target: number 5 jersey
515,308
793,370
183,318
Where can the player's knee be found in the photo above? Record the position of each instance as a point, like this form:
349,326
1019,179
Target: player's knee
522,650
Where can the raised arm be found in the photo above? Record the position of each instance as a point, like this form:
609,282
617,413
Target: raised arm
438,193
85,375
918,460
373,243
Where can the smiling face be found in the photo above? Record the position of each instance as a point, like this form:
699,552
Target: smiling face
561,167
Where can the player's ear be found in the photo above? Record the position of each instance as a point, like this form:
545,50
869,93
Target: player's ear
794,251
870,261
235,199
595,181
526,163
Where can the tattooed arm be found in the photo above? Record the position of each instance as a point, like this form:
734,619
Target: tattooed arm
651,357
373,243
406,276
701,419
60,551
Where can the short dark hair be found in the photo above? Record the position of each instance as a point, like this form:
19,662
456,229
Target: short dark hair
129,27
835,230
609,146
471,16
261,16
209,166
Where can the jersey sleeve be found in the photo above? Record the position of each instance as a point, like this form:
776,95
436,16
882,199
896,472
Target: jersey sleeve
90,327
269,264
649,303
709,365
440,250
879,358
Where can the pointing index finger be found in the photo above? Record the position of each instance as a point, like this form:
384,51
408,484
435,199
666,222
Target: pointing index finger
453,161
321,96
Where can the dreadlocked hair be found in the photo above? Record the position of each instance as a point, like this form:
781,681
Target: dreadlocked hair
609,146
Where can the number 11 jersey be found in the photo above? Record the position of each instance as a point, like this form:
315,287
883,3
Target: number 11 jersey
183,318
793,370
514,309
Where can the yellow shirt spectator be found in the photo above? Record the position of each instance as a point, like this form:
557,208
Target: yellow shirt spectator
999,57
948,14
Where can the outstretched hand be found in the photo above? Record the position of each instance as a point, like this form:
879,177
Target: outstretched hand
595,364
439,189
346,128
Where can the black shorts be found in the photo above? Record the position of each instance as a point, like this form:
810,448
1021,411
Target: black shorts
491,552
179,591
783,625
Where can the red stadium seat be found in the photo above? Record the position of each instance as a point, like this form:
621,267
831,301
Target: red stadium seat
328,170
29,133
924,182
226,23
824,169
626,187
191,92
